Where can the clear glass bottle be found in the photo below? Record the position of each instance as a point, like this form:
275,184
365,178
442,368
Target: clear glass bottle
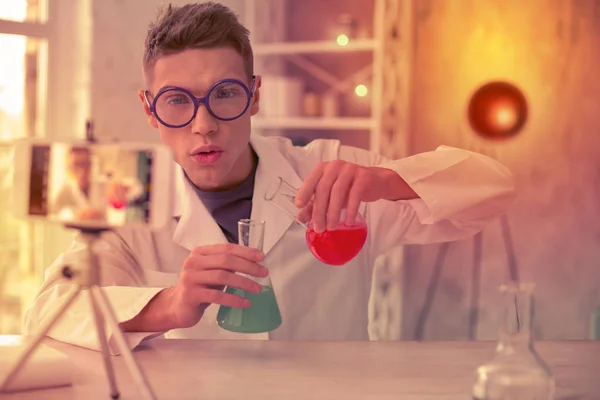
263,315
516,372
595,324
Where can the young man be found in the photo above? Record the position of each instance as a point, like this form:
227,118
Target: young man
201,93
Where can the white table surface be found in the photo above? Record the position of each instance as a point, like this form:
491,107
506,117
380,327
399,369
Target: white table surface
195,369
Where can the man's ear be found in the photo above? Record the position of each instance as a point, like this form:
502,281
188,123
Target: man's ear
149,115
254,106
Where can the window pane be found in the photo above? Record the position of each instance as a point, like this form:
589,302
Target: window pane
22,111
22,86
24,10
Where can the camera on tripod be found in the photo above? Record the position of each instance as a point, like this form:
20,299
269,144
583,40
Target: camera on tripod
93,188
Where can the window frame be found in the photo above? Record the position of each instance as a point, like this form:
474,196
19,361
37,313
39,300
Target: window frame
65,29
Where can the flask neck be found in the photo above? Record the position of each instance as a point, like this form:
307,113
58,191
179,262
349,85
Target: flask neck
282,195
517,318
514,342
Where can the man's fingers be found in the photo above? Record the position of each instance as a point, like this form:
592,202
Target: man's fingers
354,198
220,278
212,296
226,262
321,200
305,213
338,198
307,189
247,253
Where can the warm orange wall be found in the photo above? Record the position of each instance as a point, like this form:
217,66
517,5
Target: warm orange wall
551,49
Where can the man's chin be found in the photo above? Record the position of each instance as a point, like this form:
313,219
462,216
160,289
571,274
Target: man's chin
205,180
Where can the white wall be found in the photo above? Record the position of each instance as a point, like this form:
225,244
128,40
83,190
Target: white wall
555,220
69,68
69,52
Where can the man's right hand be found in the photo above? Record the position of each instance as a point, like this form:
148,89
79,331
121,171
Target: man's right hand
204,275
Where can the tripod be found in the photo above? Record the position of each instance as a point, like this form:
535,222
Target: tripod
88,278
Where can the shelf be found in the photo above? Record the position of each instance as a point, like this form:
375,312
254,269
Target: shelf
313,47
313,123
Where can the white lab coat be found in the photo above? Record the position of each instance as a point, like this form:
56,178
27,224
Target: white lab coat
460,193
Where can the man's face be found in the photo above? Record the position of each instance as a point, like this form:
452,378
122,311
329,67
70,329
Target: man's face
197,71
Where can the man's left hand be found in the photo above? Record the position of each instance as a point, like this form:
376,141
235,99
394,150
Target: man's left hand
337,185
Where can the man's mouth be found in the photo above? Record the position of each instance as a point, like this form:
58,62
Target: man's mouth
209,148
207,154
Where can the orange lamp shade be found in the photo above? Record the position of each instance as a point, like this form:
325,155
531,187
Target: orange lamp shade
497,110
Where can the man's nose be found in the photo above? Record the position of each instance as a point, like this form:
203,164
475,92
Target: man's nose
204,123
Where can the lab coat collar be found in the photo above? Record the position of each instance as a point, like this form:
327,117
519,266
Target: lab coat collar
196,226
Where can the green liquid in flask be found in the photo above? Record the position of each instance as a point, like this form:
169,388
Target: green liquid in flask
262,316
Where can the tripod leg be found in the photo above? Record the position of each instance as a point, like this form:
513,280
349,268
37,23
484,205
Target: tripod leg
110,373
132,365
34,342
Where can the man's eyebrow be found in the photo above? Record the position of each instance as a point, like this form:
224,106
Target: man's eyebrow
168,87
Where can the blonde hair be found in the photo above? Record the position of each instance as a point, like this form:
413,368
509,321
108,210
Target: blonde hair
196,26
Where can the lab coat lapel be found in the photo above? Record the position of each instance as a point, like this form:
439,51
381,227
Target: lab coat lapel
196,226
272,164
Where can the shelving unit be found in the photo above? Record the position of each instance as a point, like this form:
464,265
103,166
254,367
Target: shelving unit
313,47
387,73
387,125
341,123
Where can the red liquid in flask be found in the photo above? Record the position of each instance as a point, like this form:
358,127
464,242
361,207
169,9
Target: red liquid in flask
338,246
118,204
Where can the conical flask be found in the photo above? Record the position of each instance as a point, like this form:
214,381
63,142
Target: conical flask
263,313
516,372
333,247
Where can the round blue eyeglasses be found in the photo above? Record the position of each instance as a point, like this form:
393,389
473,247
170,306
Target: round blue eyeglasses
226,100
